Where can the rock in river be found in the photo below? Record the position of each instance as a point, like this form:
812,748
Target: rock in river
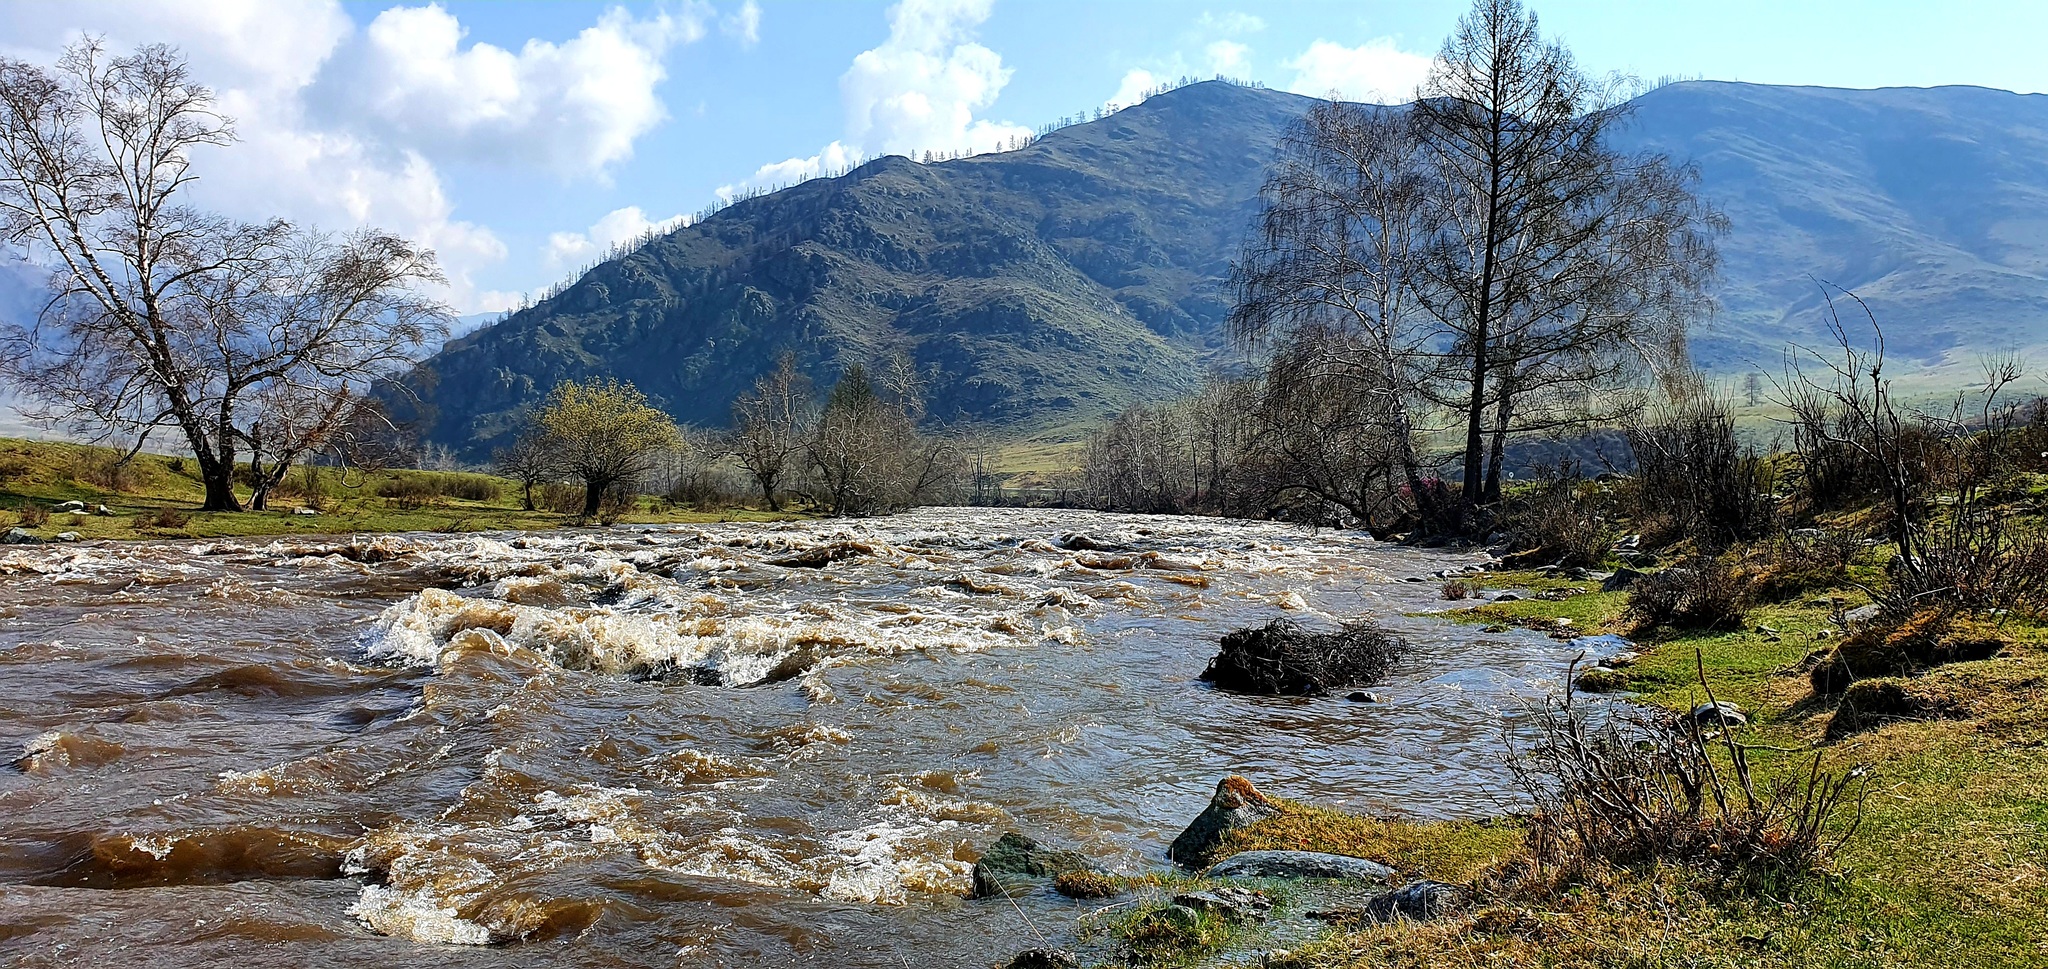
1236,804
1229,901
1015,865
1044,959
1299,864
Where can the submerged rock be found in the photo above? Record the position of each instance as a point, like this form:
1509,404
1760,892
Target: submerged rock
824,555
1283,659
1299,864
1228,901
1044,959
1016,865
1237,804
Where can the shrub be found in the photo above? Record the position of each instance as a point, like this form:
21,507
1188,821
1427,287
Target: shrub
1802,559
1083,883
1706,593
1557,526
162,519
561,498
1283,659
615,504
103,469
1690,470
1456,590
33,515
1633,786
409,492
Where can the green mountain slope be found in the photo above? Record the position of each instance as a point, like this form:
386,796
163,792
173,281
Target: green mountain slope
1044,286
1048,286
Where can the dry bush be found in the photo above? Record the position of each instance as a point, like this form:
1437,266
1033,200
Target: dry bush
561,498
33,515
410,492
1635,787
430,489
1558,526
1283,659
615,504
1691,472
1802,560
1704,593
162,519
1456,590
103,470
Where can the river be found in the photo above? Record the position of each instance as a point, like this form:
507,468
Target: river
659,747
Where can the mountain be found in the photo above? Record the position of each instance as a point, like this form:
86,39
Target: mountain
1045,286
1053,284
1929,203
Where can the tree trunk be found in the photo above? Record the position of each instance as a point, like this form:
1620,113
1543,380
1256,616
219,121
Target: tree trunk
768,491
527,493
220,487
593,495
1504,412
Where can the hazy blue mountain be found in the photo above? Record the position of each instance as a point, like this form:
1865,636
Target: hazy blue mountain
1050,285
1930,203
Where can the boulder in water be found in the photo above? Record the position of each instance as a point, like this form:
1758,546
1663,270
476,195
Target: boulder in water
19,536
824,555
1044,959
1283,659
1229,901
1299,864
1237,804
1015,865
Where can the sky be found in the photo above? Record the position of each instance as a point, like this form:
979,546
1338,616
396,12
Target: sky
519,140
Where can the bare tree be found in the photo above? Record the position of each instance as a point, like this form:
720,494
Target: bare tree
867,452
529,461
1562,267
1332,278
266,336
771,426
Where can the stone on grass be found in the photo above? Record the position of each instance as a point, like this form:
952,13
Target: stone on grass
1621,579
1719,713
1237,804
1417,901
1299,864
19,536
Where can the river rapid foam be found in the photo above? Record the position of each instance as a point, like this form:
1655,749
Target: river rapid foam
722,744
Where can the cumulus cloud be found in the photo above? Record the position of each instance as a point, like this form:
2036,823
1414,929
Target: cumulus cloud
344,128
1228,57
569,249
573,107
1374,71
1132,89
744,24
1230,22
920,90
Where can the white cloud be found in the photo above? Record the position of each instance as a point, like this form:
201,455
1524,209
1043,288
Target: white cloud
573,107
566,250
1132,90
744,24
1230,22
1228,57
919,90
341,128
1374,71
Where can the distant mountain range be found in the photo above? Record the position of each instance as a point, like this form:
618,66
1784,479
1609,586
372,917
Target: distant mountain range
1050,285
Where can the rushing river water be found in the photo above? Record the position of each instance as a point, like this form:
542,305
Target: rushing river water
662,747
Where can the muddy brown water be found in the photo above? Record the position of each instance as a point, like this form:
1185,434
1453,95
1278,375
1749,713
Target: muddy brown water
661,748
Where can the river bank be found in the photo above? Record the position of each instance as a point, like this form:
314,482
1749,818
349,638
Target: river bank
1947,866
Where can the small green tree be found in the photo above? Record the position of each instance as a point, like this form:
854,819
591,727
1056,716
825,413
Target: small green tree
604,433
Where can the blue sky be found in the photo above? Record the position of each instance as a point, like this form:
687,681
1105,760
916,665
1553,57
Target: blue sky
520,138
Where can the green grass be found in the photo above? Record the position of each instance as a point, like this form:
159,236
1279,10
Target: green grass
137,493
